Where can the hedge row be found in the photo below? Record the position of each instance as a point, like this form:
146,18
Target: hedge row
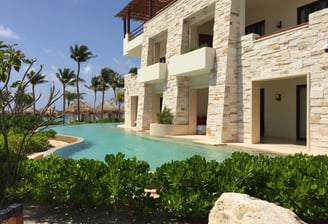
187,189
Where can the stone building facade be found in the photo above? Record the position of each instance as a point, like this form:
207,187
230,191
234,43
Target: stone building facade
262,73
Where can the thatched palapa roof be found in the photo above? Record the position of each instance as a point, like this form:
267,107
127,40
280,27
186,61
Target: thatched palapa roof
108,108
84,108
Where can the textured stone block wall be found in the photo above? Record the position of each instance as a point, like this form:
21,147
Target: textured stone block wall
297,51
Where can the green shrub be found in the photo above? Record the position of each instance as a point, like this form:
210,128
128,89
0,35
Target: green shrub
187,188
295,182
49,133
116,184
165,116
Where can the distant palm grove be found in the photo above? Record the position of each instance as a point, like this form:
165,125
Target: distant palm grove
108,78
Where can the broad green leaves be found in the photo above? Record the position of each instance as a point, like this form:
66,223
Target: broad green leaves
187,189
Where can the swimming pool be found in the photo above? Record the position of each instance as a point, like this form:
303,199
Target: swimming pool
102,139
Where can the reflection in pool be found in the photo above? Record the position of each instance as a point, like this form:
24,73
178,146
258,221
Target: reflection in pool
102,139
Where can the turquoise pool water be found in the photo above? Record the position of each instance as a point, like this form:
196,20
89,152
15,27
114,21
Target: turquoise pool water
102,139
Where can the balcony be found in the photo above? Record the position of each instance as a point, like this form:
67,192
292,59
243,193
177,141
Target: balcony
152,74
197,62
132,46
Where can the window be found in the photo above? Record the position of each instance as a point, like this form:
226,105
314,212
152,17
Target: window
258,28
304,11
205,40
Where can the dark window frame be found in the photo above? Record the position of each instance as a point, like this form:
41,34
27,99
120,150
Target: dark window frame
304,11
258,28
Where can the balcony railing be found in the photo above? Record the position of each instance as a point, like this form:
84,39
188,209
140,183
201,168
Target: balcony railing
152,74
136,32
200,61
282,30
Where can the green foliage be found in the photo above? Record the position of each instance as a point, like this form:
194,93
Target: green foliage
165,116
187,189
38,142
49,133
133,70
116,184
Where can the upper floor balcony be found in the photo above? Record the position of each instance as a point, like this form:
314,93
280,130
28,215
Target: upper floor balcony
155,73
141,11
132,43
196,62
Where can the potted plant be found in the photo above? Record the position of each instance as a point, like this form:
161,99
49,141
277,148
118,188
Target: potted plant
165,116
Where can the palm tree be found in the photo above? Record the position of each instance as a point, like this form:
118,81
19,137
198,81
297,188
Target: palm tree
95,86
104,80
79,54
120,100
36,78
71,96
116,81
67,77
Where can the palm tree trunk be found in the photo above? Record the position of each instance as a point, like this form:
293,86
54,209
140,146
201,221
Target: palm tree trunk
114,90
64,102
94,100
102,103
78,92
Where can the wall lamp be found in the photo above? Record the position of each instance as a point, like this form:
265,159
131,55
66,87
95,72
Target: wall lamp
326,47
279,24
278,96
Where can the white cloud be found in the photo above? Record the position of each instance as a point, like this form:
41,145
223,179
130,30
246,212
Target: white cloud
6,32
57,53
87,70
54,68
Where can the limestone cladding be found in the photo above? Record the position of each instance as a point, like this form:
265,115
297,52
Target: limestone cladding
222,118
170,21
297,51
132,89
240,60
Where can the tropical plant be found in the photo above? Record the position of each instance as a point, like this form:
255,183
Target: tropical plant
120,100
105,74
67,77
187,188
165,116
133,70
116,81
12,105
36,78
70,97
95,86
79,54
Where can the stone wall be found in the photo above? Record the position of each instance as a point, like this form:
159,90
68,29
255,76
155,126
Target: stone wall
294,52
172,22
222,120
240,61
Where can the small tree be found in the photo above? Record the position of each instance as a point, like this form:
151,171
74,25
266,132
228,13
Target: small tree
14,99
165,116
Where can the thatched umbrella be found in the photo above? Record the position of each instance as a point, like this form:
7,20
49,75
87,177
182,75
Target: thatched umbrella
50,112
85,110
30,111
108,108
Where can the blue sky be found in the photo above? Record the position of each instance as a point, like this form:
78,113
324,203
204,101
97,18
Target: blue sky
45,29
